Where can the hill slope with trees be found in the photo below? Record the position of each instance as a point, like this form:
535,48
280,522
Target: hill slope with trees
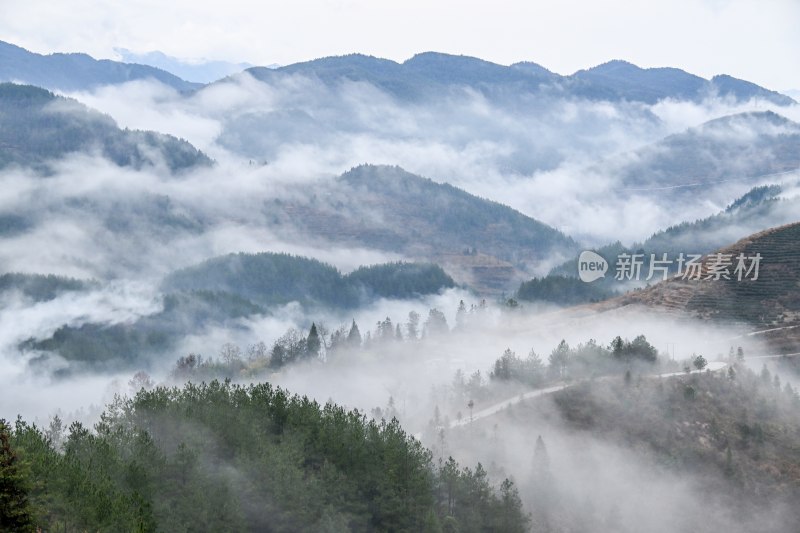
37,127
228,458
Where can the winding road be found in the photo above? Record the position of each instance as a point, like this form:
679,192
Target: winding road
715,366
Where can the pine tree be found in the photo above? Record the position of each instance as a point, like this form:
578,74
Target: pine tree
15,510
461,315
543,488
766,376
354,337
413,325
436,324
729,469
312,342
511,509
385,330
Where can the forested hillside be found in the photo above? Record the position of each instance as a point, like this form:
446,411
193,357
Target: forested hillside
37,127
38,287
220,457
273,279
735,147
389,209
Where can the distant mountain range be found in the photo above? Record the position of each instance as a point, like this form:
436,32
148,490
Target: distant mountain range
38,128
429,73
423,75
203,71
653,84
77,72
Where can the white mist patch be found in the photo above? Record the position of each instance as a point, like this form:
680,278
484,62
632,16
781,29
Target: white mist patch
30,393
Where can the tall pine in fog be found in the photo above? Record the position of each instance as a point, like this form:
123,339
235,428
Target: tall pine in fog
542,488
313,343
461,315
354,337
413,325
436,324
15,512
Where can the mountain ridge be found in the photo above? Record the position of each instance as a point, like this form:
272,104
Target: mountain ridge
77,71
428,71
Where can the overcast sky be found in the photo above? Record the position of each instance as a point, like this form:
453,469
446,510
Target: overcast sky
753,39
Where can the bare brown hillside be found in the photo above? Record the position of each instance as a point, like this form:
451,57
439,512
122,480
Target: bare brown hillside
771,302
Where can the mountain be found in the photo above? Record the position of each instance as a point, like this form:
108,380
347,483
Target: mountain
387,208
77,72
429,73
744,146
199,72
421,76
653,84
772,301
647,85
38,128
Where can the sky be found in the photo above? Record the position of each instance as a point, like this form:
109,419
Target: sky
750,39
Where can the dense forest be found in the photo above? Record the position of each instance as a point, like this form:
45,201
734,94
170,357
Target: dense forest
275,278
563,290
40,288
221,457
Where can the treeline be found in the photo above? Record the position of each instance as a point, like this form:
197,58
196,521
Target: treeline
41,288
278,278
585,360
220,457
562,290
512,373
319,344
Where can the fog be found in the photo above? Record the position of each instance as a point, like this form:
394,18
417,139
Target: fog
550,157
556,160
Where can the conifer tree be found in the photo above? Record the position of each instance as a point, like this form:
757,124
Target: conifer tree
15,511
312,342
354,337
